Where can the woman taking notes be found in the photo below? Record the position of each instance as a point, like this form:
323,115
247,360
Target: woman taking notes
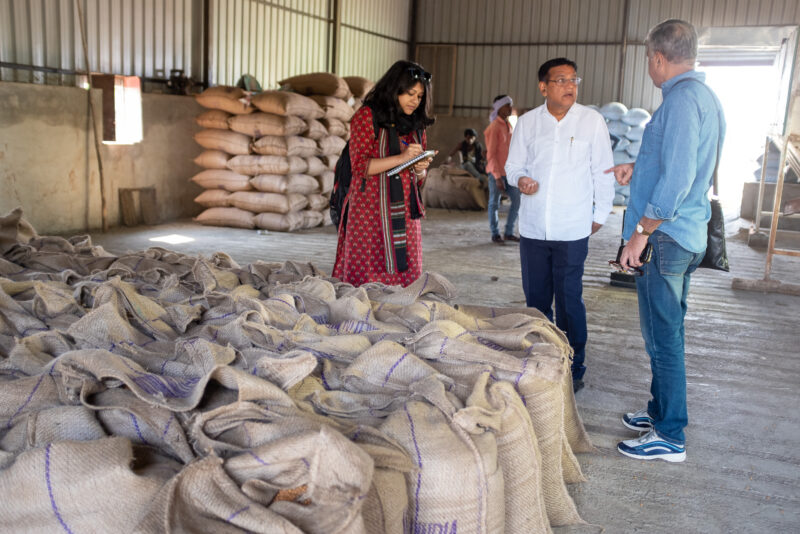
380,238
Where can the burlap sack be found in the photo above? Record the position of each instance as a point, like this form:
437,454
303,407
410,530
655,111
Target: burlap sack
260,124
258,202
302,147
230,99
311,218
315,166
443,190
318,83
317,202
222,179
330,161
335,473
234,217
498,406
287,103
202,497
359,85
213,198
325,181
39,428
315,130
270,145
336,127
212,159
331,145
73,486
213,118
223,140
292,183
335,108
280,222
14,229
459,481
253,165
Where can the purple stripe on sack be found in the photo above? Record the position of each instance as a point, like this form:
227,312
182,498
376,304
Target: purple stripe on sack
419,463
138,430
444,342
284,302
176,388
27,401
53,504
259,460
137,263
491,344
424,285
324,380
237,512
305,462
166,427
319,354
391,370
519,376
220,317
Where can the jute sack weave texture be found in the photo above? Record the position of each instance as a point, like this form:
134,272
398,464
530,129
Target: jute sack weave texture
197,364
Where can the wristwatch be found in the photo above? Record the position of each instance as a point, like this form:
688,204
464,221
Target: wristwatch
640,229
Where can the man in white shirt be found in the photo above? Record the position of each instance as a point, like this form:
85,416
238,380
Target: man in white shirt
558,153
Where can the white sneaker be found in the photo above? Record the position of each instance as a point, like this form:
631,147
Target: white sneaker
651,446
640,421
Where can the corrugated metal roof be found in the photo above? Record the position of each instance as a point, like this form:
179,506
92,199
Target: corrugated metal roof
134,37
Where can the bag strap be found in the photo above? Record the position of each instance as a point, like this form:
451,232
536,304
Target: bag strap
714,183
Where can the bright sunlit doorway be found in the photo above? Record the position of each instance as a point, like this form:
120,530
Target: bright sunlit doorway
743,67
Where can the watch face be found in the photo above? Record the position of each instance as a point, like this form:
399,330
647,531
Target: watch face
640,228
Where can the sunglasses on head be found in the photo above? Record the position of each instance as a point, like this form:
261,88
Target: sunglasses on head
419,74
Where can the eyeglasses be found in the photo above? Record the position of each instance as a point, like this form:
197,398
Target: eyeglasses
564,81
419,74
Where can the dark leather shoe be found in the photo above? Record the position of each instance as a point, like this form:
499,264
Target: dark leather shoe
497,239
513,238
577,385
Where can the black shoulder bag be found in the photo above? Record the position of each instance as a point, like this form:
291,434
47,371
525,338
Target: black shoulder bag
716,254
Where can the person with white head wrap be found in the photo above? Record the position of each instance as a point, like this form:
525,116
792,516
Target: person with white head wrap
498,138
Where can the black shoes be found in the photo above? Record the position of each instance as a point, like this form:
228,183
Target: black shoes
497,239
513,238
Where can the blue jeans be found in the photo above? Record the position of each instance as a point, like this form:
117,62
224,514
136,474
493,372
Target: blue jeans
555,268
470,168
662,291
494,204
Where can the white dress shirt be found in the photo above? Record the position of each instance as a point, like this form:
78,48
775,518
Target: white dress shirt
567,158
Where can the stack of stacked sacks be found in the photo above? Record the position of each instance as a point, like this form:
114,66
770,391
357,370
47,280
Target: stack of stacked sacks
451,187
332,130
627,125
203,396
260,171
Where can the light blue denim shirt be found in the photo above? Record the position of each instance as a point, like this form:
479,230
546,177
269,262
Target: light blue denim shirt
673,171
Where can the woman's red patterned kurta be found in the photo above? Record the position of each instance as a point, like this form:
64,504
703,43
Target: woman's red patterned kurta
360,254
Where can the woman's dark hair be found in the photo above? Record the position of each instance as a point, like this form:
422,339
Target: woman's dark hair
401,77
470,132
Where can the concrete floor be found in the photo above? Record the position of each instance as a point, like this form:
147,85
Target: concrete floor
742,472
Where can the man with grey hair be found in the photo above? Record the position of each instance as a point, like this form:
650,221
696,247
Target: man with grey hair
669,208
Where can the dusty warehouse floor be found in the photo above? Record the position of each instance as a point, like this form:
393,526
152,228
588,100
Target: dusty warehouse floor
742,472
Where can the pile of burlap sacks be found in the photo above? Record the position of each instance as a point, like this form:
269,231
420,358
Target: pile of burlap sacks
270,155
159,392
627,125
451,187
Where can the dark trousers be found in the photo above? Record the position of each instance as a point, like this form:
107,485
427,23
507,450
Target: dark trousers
555,269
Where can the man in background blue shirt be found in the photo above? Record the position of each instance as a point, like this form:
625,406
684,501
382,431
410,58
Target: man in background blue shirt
669,208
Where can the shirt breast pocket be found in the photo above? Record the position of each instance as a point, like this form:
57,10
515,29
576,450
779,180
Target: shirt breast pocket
579,151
